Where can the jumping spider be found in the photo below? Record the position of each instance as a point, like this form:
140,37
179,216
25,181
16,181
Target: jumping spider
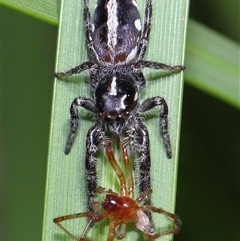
122,209
117,44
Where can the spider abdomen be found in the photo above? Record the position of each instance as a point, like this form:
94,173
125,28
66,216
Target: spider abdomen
116,31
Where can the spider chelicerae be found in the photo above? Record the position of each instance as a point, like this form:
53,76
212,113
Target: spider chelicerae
122,209
117,42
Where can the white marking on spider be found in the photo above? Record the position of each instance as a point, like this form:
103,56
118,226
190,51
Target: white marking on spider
92,27
136,96
134,3
113,90
112,23
132,54
137,24
122,105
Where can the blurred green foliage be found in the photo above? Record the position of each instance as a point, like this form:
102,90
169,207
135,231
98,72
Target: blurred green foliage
208,184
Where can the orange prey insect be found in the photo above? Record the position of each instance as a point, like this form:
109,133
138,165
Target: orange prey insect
122,209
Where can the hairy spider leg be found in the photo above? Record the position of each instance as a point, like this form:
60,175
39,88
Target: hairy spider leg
149,104
146,30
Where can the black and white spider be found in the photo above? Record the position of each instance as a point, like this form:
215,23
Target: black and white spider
117,44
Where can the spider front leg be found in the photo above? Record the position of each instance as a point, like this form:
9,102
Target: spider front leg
149,104
86,103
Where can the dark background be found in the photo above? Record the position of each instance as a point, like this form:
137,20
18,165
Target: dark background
208,181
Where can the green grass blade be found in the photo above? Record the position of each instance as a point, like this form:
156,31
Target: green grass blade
46,10
65,190
212,63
